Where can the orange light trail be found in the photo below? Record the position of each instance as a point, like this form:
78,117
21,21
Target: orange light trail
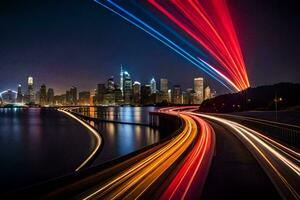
134,181
190,179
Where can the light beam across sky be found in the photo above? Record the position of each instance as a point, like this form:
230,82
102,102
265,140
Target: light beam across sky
233,73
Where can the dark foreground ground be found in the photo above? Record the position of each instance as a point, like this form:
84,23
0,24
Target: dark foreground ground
234,173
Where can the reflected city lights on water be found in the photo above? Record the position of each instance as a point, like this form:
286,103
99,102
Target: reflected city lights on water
38,144
121,139
120,114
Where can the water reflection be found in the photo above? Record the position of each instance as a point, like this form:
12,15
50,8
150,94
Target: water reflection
121,139
122,114
37,144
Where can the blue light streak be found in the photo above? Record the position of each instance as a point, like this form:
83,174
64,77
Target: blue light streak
157,35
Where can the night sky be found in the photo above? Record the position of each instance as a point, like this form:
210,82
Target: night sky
64,43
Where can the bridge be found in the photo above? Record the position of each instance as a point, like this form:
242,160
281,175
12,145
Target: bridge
8,98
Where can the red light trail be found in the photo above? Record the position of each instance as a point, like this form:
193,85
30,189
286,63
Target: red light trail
209,24
190,180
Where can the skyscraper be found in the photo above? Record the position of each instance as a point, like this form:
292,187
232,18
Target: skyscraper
146,95
84,97
153,86
100,93
50,96
73,95
125,77
37,97
19,94
110,84
176,95
30,91
121,79
127,88
164,90
164,85
43,95
198,88
136,92
207,93
188,98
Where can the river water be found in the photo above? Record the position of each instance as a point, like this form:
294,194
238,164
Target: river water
39,144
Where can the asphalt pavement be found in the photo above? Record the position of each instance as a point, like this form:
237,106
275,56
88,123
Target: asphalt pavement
235,174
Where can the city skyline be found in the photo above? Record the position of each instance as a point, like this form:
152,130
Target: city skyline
126,91
88,50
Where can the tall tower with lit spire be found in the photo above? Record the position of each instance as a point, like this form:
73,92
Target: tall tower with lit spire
122,79
30,91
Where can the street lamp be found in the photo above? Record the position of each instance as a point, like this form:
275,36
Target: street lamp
276,100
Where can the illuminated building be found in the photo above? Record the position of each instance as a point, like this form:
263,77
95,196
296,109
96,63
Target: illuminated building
188,96
198,88
43,95
59,100
109,95
153,86
109,98
30,91
73,95
19,94
176,95
50,96
136,92
164,90
127,90
126,86
84,98
164,85
118,97
169,95
110,84
121,79
207,93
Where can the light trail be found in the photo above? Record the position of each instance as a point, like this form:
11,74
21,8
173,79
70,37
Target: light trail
215,74
91,130
275,158
134,181
189,181
209,23
291,152
157,162
267,122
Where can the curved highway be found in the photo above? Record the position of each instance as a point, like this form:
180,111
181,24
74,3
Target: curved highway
280,162
134,182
